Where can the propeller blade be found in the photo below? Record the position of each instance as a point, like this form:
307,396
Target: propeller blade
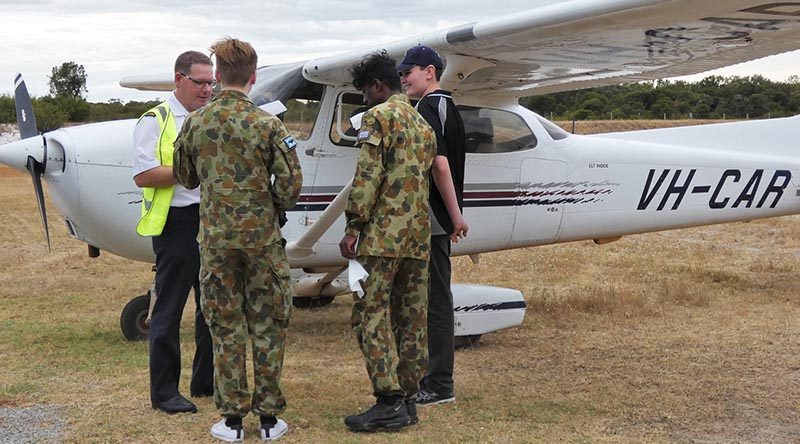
27,129
37,169
25,118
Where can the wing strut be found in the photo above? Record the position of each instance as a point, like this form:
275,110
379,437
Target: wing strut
304,245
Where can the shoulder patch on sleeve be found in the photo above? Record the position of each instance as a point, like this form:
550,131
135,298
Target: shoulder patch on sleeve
370,131
290,143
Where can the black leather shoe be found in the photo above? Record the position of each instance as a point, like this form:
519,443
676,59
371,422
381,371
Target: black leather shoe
178,404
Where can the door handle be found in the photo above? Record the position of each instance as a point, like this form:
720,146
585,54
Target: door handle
316,152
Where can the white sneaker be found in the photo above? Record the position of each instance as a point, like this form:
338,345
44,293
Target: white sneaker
227,434
275,431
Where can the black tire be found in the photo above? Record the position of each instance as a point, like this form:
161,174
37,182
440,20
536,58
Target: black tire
133,319
467,341
312,302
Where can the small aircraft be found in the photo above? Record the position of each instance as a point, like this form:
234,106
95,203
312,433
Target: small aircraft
528,182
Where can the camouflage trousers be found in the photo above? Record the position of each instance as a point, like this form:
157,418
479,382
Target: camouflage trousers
390,323
246,293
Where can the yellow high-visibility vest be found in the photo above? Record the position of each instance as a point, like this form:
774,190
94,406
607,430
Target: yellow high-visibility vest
156,201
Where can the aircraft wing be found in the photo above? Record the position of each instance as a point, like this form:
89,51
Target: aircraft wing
149,82
586,43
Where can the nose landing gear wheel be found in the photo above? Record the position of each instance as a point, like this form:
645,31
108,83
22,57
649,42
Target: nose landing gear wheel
133,320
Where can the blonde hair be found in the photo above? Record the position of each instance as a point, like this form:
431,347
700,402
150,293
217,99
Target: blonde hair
236,61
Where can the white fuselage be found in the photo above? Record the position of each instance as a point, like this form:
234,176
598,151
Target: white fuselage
578,187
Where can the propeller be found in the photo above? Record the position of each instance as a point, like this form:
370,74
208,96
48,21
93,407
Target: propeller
36,169
26,121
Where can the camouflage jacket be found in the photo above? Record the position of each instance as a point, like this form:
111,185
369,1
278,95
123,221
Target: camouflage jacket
388,205
231,149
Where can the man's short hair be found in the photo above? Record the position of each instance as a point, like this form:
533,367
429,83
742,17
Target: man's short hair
184,62
376,66
236,61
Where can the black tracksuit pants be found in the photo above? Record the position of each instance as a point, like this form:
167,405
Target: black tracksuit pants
441,327
177,272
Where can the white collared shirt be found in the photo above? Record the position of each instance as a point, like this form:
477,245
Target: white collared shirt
145,137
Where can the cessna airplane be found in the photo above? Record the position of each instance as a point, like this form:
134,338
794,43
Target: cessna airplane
527,181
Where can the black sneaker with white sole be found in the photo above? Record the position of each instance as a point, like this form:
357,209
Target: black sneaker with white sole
380,417
411,408
427,397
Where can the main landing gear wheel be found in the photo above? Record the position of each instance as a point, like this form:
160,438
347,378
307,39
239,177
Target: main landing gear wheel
133,320
467,341
312,301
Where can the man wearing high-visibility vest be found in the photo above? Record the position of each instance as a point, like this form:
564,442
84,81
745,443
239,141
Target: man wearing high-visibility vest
170,216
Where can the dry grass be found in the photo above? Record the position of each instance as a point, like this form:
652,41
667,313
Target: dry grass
680,336
611,126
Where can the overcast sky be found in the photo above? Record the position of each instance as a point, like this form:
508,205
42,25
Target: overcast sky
116,39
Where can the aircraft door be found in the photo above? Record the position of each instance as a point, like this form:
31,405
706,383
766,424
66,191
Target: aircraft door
336,154
541,198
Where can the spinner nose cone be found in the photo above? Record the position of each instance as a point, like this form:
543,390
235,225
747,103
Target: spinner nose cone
15,154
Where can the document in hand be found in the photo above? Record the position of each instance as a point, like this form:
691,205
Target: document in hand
356,273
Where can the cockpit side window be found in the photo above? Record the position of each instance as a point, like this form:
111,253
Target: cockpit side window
490,130
552,129
301,112
347,105
487,130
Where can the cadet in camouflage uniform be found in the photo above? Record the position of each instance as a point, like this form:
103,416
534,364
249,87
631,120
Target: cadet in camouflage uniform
232,149
387,215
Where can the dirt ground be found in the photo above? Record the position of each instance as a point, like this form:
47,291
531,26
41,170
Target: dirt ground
687,336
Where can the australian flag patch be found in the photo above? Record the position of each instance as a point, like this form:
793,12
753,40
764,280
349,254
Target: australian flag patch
290,143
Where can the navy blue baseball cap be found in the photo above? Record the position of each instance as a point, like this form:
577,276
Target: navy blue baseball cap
420,55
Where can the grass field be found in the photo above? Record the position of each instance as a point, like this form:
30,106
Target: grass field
610,126
680,336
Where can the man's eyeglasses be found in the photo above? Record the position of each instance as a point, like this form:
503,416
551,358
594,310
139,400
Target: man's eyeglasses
200,83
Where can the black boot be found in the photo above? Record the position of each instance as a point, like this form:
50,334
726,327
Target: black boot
381,416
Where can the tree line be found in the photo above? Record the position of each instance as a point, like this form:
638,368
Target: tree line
714,97
66,102
53,112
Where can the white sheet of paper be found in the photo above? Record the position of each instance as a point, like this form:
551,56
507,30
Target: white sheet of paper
274,108
356,120
356,273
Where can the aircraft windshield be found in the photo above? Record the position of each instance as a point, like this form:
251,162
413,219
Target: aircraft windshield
301,97
277,83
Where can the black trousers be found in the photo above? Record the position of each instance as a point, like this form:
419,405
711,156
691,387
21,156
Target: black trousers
177,272
441,323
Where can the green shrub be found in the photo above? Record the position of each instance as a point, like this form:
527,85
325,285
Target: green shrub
48,115
7,112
